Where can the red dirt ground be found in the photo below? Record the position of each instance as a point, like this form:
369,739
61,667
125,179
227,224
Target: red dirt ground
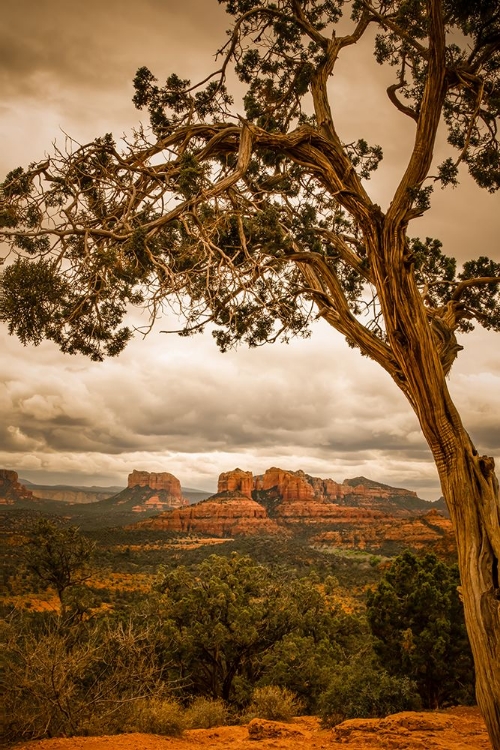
454,729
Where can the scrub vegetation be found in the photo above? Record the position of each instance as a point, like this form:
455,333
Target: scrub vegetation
227,639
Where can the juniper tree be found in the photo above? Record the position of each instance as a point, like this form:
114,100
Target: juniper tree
417,621
58,556
261,221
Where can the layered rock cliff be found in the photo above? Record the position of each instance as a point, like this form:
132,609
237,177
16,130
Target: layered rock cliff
12,492
236,481
148,492
224,514
71,495
358,513
279,486
389,534
160,481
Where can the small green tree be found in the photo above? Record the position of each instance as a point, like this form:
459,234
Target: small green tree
416,617
226,616
362,689
58,556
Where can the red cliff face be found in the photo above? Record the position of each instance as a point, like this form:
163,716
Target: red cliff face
287,485
11,490
161,481
299,487
224,514
358,513
430,530
236,481
152,492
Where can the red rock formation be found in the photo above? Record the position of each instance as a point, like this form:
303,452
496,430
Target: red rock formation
225,514
319,513
431,530
11,490
288,485
236,481
161,481
296,486
150,492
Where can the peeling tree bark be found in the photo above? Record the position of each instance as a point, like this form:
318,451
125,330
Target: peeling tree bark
468,481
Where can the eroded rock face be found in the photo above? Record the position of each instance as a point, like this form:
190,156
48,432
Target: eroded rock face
11,490
224,514
288,485
349,515
160,481
375,531
73,497
297,486
236,481
148,493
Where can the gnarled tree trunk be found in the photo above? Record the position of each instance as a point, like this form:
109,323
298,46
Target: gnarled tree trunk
471,492
468,481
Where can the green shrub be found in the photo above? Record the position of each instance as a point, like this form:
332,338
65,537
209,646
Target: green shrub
155,716
361,690
83,679
204,713
417,620
273,703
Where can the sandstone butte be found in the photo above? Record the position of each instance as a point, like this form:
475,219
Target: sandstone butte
162,491
453,729
11,490
228,513
282,501
160,481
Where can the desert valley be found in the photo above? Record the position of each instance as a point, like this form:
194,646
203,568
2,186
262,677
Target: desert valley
283,531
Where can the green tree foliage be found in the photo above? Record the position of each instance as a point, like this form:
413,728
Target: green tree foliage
228,620
59,556
261,200
416,617
364,689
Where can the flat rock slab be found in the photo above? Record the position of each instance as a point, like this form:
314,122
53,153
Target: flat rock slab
453,729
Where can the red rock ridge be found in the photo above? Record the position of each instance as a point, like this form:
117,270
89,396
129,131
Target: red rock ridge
224,514
160,481
428,530
11,489
297,485
236,481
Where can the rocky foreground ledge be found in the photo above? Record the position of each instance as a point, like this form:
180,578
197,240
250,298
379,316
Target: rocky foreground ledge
453,729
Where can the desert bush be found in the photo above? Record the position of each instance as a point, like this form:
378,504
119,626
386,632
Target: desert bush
233,624
204,713
417,620
361,690
155,716
59,681
274,703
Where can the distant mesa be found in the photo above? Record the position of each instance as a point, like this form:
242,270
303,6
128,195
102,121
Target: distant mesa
161,481
12,492
147,492
358,513
72,495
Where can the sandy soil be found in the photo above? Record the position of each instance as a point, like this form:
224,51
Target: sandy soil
454,729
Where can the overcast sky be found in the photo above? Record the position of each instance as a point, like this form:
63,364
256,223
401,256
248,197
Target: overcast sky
175,404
